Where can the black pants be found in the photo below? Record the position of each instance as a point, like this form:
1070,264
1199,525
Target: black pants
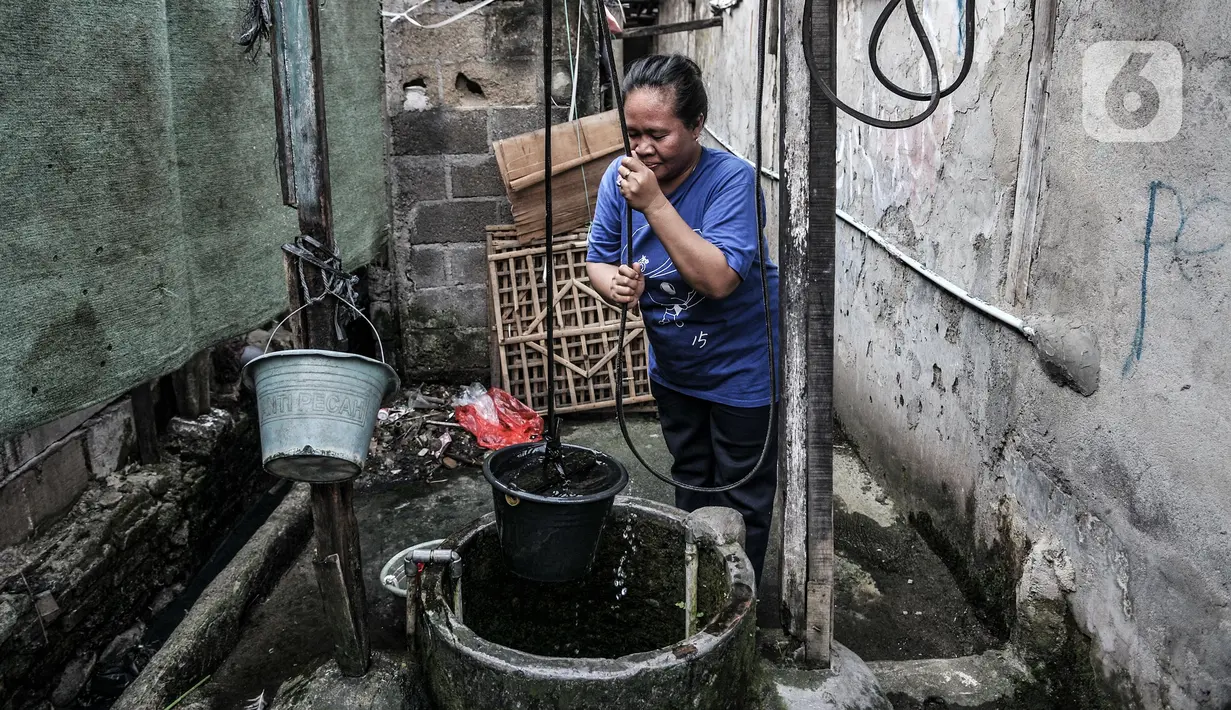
714,445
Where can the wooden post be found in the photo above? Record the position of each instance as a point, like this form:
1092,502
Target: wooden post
1024,240
807,142
191,383
822,170
656,30
300,104
146,423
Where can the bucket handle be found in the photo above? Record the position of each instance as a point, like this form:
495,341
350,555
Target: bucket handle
314,301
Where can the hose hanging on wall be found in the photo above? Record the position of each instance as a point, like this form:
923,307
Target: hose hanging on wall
935,94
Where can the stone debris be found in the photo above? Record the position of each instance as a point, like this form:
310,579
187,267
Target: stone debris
417,438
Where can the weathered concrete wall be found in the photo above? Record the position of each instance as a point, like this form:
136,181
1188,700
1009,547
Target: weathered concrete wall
45,469
1121,493
114,560
451,92
956,410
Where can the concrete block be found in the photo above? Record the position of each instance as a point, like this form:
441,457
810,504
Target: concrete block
427,265
195,439
475,176
473,83
43,489
455,221
451,306
29,444
401,76
440,130
514,121
463,39
468,265
451,354
110,439
416,179
513,31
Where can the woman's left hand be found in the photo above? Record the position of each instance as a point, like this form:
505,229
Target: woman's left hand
639,185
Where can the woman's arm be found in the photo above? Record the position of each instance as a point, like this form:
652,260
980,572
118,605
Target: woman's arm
617,285
699,262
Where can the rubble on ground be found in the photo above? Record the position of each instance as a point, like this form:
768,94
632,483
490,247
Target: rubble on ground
417,438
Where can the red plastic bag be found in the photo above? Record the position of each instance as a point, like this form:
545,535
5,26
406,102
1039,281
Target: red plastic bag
495,418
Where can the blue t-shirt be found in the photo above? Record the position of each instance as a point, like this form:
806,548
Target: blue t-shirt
710,349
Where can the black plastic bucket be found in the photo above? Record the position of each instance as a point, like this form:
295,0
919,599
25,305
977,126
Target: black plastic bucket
548,538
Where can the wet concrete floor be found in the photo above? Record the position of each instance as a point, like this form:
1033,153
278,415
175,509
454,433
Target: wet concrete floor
894,599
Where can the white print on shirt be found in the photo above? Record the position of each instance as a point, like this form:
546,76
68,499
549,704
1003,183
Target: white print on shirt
674,305
699,340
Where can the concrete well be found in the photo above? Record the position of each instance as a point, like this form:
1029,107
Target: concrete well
612,640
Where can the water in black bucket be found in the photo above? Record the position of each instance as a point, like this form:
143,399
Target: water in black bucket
577,473
550,517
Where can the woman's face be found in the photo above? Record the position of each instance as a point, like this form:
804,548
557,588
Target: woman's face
658,137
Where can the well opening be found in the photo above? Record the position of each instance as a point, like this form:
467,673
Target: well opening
631,601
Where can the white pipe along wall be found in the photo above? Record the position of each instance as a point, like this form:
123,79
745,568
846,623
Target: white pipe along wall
1109,507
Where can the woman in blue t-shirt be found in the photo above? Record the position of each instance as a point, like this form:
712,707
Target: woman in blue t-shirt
695,275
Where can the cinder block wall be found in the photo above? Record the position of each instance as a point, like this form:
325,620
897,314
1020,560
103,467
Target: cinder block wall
452,91
44,470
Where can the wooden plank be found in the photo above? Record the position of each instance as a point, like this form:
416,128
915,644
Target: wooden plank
1024,239
191,384
282,124
794,119
146,423
498,375
297,23
334,591
637,399
655,30
541,349
820,260
630,337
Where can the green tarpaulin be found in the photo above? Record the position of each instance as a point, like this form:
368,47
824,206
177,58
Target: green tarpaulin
141,216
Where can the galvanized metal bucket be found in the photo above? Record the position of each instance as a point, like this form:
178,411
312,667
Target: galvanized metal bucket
317,411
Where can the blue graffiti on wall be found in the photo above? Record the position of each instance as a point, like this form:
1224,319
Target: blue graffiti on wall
961,23
1180,256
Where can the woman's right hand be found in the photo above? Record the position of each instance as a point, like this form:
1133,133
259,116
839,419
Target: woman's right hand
627,285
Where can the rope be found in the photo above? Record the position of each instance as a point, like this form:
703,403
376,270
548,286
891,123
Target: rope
338,282
405,15
574,62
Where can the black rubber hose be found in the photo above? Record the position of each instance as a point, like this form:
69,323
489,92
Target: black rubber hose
551,452
929,53
758,200
968,53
